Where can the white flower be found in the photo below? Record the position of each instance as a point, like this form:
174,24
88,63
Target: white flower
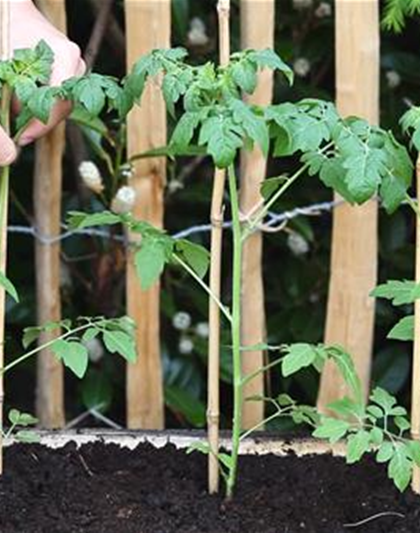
301,67
174,186
323,10
91,176
186,346
393,79
202,330
127,171
197,35
297,244
302,4
124,200
95,348
181,321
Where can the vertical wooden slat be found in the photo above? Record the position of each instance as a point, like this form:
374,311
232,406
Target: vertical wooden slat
47,207
148,27
253,169
216,215
415,382
350,313
4,54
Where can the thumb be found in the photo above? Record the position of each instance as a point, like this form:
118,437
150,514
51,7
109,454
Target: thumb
8,151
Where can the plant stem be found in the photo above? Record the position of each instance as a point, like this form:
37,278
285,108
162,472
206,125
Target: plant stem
33,352
197,278
236,329
249,377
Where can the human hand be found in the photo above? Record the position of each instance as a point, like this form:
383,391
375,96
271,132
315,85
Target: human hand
27,27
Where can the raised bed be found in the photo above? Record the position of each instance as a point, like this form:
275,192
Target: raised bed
145,482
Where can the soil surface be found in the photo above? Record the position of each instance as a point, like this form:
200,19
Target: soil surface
105,489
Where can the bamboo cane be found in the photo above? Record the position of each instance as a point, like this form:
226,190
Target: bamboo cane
350,313
47,206
213,399
253,169
148,27
415,387
4,54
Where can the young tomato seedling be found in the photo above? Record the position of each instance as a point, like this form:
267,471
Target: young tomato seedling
357,160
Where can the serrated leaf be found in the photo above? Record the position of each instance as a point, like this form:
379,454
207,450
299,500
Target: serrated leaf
197,257
403,330
150,262
401,292
298,356
80,220
331,429
73,354
385,452
244,73
400,467
269,58
357,445
121,343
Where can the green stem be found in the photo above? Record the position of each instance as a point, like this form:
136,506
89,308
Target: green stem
48,344
262,213
249,377
197,278
6,99
413,204
236,330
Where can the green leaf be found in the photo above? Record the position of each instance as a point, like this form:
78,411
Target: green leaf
383,399
376,436
27,437
80,220
271,185
331,429
413,447
21,419
357,445
41,102
347,370
298,356
400,292
88,91
223,139
185,128
284,400
346,407
34,63
97,391
199,446
403,330
244,74
150,261
400,467
121,343
269,58
73,354
8,287
82,117
253,123
385,452
197,257
183,402
402,423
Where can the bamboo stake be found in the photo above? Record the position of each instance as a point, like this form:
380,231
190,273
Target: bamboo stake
350,313
415,387
213,399
253,169
47,207
148,27
4,54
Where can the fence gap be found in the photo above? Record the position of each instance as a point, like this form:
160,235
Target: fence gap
4,54
148,27
216,215
253,170
350,312
47,207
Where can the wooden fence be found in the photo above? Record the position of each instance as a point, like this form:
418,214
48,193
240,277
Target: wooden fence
350,315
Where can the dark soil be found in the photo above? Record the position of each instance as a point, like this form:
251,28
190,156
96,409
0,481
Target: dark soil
105,489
